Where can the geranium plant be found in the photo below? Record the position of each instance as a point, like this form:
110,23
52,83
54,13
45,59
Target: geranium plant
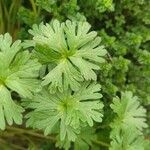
49,83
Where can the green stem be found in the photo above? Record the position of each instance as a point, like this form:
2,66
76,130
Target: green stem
109,57
102,127
31,132
100,143
4,15
29,140
33,7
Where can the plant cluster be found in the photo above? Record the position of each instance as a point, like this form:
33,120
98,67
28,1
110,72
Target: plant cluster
80,77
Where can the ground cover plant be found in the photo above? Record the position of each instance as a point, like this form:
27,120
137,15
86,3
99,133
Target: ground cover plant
74,74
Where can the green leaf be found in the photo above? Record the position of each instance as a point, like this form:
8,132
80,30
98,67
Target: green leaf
74,51
82,142
55,76
127,140
8,51
69,110
84,139
9,111
129,112
18,72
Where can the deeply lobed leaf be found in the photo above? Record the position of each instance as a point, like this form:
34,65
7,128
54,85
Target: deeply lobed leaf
69,110
72,48
129,112
18,72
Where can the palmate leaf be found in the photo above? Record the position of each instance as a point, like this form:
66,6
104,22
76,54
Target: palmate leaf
72,48
128,124
69,110
17,70
129,113
23,74
18,73
127,140
9,111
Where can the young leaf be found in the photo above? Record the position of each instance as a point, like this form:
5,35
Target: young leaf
127,140
72,48
129,112
68,109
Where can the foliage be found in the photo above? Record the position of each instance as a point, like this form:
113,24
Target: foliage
129,112
129,123
18,73
74,56
60,79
